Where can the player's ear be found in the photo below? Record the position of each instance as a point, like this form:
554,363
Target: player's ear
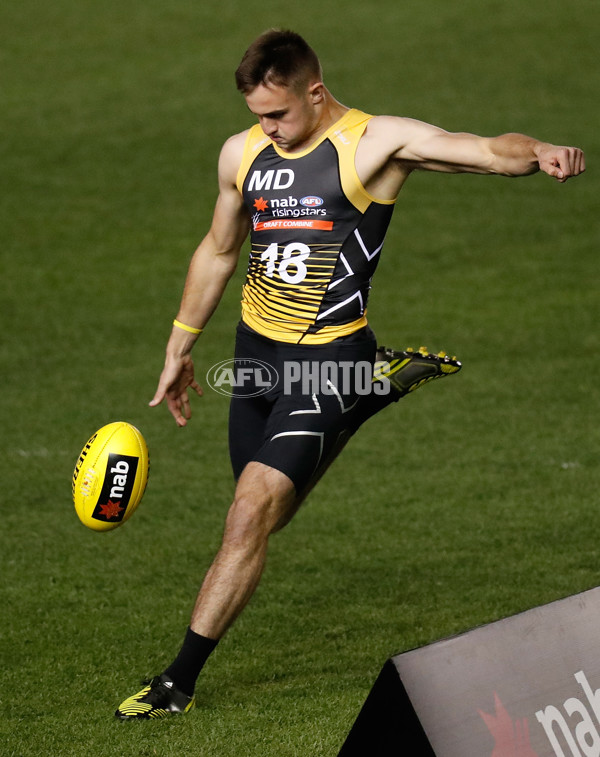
316,92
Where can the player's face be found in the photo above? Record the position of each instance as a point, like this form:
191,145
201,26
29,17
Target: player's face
289,118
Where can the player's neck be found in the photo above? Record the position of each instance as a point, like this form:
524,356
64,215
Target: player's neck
333,110
330,113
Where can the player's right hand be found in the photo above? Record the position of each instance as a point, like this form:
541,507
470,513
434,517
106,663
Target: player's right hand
175,380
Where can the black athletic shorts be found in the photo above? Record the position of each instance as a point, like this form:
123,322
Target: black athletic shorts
291,403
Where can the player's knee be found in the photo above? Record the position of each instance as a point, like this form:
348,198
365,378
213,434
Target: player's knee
247,522
263,496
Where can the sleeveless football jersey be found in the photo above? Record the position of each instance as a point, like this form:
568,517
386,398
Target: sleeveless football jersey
316,235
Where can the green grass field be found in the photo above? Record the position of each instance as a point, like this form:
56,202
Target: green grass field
474,499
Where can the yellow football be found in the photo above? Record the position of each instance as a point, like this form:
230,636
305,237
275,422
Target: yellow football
110,476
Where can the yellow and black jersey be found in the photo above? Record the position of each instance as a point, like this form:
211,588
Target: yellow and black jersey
316,235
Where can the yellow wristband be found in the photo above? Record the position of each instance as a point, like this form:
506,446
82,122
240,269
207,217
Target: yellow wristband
183,326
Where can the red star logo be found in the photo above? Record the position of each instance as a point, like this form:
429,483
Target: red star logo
261,204
511,738
111,509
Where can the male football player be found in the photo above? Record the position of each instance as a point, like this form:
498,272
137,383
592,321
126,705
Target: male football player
315,183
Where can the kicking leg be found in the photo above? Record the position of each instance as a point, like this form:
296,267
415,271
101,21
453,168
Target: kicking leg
395,375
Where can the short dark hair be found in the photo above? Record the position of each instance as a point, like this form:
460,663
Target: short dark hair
277,57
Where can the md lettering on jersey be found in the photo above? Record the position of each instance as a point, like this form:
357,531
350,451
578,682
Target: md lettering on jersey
265,180
578,735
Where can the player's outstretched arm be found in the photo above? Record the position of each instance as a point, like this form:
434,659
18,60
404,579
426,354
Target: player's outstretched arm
419,145
211,267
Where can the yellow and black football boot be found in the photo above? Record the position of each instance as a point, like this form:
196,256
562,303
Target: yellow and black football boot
408,370
158,699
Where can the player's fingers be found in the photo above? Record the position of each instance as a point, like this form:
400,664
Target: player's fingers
568,162
161,390
571,162
552,168
579,161
174,405
158,397
197,388
185,405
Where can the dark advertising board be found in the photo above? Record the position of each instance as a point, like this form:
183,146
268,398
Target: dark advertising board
525,686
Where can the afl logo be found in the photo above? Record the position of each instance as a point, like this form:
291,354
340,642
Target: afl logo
311,201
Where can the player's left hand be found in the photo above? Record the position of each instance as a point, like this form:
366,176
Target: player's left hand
561,162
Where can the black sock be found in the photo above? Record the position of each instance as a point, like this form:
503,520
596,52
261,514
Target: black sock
370,404
186,667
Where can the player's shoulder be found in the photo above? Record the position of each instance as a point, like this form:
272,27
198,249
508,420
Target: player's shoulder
380,126
250,139
235,144
392,133
232,154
